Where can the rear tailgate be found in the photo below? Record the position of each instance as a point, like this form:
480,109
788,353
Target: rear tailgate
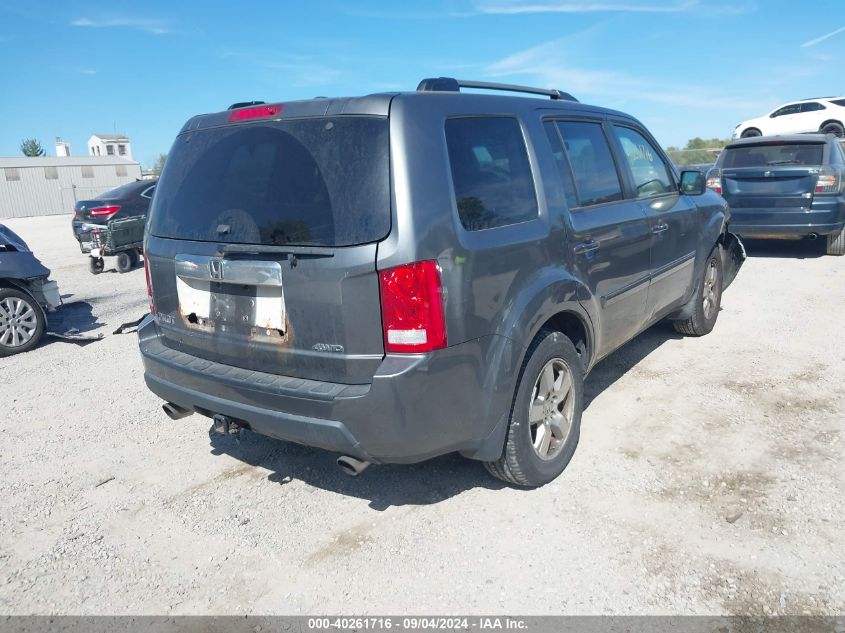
262,246
773,190
771,183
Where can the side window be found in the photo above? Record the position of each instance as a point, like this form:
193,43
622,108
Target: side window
490,171
562,162
651,176
812,107
790,109
148,193
51,173
120,171
87,171
592,163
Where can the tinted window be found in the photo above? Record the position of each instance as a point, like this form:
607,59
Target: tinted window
839,102
651,176
773,155
790,109
318,181
562,163
123,191
811,107
592,163
490,172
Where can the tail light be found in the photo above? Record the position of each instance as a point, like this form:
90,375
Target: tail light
412,308
829,181
106,211
149,284
714,180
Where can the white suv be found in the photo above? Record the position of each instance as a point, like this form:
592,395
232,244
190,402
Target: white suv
825,115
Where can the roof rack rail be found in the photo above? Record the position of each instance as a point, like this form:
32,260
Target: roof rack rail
243,104
449,84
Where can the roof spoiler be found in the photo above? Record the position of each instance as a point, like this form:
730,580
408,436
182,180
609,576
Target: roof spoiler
449,84
243,104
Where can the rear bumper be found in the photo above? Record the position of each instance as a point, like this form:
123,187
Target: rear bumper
825,216
417,406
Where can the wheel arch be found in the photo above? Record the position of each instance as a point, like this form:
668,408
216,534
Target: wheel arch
553,301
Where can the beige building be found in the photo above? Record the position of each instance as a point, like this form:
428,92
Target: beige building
49,185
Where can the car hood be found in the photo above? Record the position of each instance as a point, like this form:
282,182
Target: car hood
9,238
16,260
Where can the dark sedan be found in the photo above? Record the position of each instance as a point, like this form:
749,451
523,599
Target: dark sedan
126,201
785,187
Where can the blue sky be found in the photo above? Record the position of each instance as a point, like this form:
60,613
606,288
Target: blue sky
684,67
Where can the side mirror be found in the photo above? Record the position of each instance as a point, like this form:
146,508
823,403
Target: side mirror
692,183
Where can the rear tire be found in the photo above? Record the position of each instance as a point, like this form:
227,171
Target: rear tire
545,421
752,131
21,322
707,300
96,265
124,262
833,127
836,243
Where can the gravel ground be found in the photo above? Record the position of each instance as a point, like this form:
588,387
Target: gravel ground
708,480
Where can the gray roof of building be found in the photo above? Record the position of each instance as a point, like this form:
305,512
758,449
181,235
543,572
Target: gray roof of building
62,161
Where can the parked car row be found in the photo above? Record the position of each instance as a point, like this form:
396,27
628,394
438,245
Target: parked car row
399,276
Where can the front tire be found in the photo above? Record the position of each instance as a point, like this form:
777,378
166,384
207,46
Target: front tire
708,299
545,421
836,243
21,322
96,265
752,131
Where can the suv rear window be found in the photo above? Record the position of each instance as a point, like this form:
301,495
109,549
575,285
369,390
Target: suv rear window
774,155
321,181
490,172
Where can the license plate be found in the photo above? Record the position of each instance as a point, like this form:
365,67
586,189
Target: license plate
249,296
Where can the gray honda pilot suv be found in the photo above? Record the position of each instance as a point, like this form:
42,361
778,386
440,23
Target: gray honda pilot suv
398,276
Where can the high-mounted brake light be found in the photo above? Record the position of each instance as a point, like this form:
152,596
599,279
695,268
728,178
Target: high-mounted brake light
149,284
106,211
412,308
256,112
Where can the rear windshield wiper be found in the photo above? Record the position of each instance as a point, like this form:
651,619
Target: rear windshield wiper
784,162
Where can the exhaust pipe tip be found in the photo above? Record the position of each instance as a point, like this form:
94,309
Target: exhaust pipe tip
813,236
351,466
175,412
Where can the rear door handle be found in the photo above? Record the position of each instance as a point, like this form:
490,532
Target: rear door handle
586,247
659,228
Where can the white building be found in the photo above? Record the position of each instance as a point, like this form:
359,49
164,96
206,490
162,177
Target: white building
48,185
110,145
62,148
